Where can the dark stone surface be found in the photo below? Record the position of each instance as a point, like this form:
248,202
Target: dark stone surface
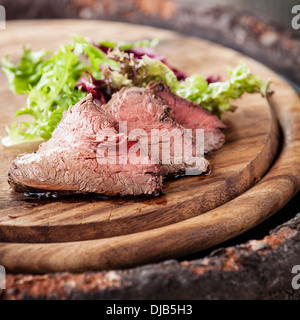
255,265
257,269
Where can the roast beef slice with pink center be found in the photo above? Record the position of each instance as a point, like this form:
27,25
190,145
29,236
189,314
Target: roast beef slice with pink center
192,116
77,159
148,121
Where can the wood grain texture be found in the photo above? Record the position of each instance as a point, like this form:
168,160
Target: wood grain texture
251,145
188,231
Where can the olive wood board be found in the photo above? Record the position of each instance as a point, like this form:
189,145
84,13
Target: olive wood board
83,233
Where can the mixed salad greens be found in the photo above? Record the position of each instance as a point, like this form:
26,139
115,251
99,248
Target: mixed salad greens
54,82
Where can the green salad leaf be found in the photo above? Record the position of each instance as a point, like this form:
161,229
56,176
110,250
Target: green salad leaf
50,85
216,97
54,93
135,72
27,73
95,55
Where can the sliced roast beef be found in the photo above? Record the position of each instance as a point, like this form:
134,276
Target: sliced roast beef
147,117
80,158
192,116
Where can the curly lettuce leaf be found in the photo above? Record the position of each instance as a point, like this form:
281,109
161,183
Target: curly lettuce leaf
136,72
54,93
95,56
216,97
27,73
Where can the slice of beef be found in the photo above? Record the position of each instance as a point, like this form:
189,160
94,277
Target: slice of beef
192,116
147,117
75,159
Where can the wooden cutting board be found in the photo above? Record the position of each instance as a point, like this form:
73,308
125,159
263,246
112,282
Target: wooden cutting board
88,232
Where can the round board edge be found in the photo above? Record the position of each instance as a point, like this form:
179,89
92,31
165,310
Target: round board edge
38,231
